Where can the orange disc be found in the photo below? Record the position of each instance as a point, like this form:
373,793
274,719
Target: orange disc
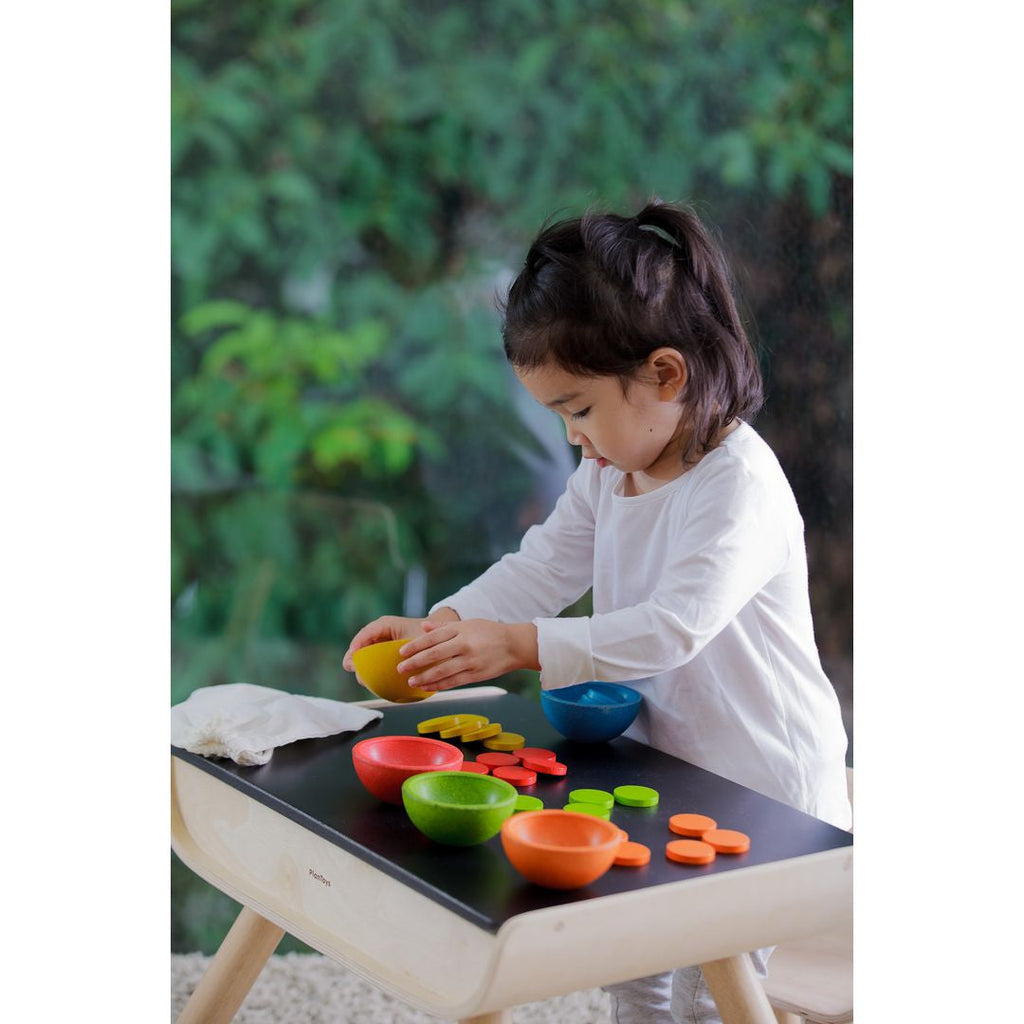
632,855
689,851
691,824
516,775
725,840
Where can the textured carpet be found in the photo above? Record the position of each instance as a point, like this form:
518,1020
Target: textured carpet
305,988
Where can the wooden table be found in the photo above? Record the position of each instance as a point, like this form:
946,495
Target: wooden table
456,932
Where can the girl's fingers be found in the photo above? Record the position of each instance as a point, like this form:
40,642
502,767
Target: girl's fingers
379,629
434,660
361,639
424,642
459,679
388,627
438,674
358,641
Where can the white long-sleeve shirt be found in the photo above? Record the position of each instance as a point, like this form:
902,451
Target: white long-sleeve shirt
701,603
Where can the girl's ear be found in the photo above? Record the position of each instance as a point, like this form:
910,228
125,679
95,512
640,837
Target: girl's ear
669,366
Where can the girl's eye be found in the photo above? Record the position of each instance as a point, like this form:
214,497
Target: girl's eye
579,415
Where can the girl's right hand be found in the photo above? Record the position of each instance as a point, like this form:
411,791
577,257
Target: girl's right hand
392,627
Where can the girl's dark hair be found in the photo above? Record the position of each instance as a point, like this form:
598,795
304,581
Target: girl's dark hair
598,293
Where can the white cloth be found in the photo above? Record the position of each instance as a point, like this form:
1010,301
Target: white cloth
701,603
246,722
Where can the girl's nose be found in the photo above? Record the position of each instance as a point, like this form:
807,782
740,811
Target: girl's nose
574,436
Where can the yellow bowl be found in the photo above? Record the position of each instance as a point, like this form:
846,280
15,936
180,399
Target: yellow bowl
376,668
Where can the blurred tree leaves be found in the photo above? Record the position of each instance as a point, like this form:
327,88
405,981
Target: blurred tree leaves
358,134
352,183
282,400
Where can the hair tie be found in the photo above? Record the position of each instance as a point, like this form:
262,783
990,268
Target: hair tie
660,232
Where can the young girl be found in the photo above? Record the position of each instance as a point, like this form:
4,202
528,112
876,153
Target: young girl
680,519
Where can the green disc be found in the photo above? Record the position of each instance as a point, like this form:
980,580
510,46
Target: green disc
636,796
592,796
595,809
528,803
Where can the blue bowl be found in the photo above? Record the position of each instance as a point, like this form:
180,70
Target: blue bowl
591,712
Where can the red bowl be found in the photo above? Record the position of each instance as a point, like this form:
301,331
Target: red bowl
383,763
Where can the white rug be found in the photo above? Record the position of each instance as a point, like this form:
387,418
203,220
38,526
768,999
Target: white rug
306,988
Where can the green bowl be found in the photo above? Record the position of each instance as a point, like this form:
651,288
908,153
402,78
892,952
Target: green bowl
458,808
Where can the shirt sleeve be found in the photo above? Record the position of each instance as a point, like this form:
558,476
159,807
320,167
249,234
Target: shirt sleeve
730,539
553,567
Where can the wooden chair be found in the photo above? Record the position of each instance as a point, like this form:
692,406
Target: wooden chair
811,981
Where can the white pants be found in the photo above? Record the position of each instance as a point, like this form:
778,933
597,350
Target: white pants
676,997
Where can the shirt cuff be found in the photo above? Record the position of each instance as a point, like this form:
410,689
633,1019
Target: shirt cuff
563,649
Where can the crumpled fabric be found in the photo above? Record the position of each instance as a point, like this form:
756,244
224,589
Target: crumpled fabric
247,723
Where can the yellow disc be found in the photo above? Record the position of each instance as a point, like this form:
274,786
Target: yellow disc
494,729
435,724
506,741
463,724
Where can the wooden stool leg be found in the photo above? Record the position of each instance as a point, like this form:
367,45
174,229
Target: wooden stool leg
737,991
232,971
498,1017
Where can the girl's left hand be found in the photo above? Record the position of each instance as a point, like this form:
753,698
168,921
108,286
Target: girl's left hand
469,651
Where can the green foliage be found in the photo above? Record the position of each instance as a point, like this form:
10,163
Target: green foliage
281,415
352,183
356,136
282,400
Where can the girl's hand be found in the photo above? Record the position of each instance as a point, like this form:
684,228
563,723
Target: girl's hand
458,653
393,627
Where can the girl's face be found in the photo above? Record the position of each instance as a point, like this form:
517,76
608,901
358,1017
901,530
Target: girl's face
639,431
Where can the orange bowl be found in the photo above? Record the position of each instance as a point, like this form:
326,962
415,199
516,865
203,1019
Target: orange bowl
560,849
383,763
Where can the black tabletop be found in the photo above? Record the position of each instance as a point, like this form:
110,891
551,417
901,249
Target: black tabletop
313,783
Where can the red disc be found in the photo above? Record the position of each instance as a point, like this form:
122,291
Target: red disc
517,776
496,759
536,754
475,766
547,767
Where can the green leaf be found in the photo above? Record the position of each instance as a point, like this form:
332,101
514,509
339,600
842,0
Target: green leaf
280,450
291,186
837,156
213,314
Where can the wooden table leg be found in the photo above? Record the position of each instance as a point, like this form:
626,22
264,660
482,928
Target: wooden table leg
737,991
232,971
782,1017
